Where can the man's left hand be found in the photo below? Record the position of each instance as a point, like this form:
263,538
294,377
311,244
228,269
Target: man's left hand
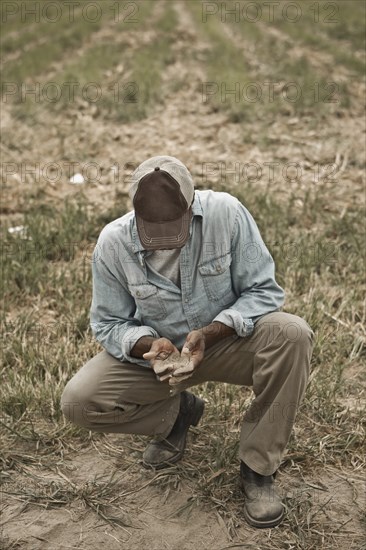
194,350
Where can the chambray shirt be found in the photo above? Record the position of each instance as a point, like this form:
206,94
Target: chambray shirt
227,275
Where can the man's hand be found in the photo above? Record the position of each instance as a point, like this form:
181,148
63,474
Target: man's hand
193,351
167,362
196,343
160,350
194,347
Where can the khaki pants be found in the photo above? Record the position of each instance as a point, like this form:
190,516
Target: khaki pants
108,395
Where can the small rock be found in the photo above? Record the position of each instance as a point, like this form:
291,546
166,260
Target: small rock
16,229
77,179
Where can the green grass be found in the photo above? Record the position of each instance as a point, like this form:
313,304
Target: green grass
122,98
51,264
45,27
228,65
316,94
145,67
63,37
350,24
225,65
340,38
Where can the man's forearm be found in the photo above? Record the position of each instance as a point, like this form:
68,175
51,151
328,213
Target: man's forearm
215,332
142,346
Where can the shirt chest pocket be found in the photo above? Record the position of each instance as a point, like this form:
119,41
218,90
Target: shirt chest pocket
216,277
148,300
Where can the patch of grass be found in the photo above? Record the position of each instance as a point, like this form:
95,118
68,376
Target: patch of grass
295,84
281,86
12,19
65,37
122,98
51,237
350,25
96,494
31,28
146,67
226,67
336,28
52,266
101,60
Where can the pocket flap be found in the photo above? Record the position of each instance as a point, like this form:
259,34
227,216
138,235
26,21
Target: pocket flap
216,266
142,291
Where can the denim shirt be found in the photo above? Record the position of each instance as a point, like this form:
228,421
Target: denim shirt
227,275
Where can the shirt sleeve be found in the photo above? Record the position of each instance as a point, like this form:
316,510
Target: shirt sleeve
253,277
112,313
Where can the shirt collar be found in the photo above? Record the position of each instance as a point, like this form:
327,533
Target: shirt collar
136,243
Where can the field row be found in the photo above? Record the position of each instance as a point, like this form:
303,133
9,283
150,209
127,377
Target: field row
106,63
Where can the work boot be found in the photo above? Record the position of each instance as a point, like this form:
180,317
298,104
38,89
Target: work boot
161,453
263,507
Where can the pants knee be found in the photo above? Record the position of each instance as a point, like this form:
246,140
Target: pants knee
73,405
290,329
81,408
297,331
299,339
291,336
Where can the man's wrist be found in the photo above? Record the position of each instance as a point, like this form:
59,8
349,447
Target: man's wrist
142,346
215,332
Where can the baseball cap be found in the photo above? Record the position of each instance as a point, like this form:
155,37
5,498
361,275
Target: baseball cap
162,193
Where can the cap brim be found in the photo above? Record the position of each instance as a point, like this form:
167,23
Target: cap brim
172,234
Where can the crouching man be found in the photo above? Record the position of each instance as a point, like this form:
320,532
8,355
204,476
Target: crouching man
184,292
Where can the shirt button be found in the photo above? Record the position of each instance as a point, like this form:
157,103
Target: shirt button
138,293
218,268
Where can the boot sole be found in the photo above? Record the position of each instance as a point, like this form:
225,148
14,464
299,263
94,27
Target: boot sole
200,407
265,524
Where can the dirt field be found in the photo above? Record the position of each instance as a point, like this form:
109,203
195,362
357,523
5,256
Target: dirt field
268,108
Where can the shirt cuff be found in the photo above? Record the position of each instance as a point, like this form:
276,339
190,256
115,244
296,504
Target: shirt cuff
233,319
130,338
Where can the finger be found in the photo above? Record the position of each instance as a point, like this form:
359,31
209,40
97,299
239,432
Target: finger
165,377
149,355
174,380
162,355
189,345
160,368
186,350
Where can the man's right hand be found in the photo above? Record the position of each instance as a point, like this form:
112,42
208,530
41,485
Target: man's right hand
160,350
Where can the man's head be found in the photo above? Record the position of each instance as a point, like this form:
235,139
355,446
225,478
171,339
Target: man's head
162,193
